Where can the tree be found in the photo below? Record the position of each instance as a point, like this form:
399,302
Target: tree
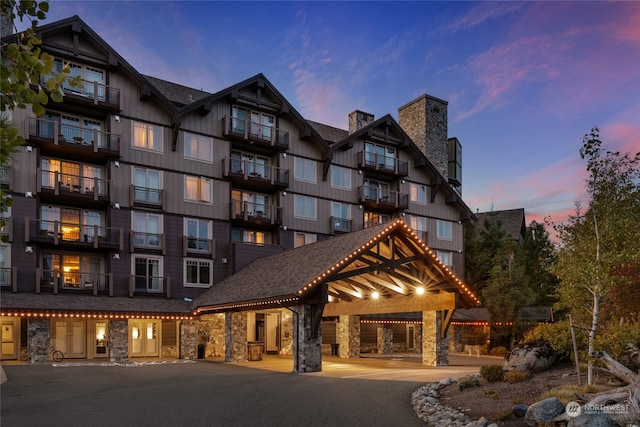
27,78
599,249
540,257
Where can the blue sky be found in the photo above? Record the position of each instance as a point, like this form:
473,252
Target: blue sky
525,81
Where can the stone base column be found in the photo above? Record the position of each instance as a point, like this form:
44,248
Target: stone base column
307,351
435,350
235,337
118,340
348,337
39,340
417,338
385,338
189,339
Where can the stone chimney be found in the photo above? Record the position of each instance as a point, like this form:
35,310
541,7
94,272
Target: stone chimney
425,121
359,119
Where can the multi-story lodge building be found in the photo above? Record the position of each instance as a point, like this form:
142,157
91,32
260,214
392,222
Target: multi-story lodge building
145,212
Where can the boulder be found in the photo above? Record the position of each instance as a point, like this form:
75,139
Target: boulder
543,412
520,410
591,419
535,356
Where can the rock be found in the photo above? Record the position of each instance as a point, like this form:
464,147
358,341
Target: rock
520,410
543,412
591,419
535,356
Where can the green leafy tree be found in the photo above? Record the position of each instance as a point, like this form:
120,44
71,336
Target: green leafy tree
600,249
27,77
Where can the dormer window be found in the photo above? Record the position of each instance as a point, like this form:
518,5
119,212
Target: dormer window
380,156
260,125
89,76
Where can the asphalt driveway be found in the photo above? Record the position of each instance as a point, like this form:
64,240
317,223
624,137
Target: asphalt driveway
216,394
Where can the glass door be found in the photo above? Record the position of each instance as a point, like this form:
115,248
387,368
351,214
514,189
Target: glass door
144,338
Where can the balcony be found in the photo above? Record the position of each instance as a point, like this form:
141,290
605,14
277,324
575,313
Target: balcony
6,229
147,197
9,278
255,136
150,285
195,246
5,177
91,93
255,176
76,236
147,241
382,199
255,214
382,166
340,225
73,281
64,187
59,139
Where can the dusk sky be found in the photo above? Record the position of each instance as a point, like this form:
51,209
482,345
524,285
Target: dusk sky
525,81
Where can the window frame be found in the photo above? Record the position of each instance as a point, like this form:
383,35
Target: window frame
445,254
199,262
155,131
200,140
444,229
308,238
306,199
301,166
344,176
200,190
415,190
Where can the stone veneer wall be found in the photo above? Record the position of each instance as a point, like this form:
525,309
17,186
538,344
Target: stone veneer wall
385,338
307,350
417,338
38,336
235,326
118,340
435,350
348,337
189,339
215,323
425,121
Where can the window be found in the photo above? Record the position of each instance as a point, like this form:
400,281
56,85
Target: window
89,75
198,272
75,225
302,239
251,236
340,177
418,194
198,235
255,166
5,271
445,257
444,230
304,170
197,189
148,274
198,147
374,218
147,137
261,125
252,204
73,271
340,210
147,230
147,185
376,190
379,156
419,226
304,207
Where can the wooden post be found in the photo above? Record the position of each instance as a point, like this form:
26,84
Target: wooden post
575,350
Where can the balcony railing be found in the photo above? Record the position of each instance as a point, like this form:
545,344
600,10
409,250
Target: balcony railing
152,241
256,133
92,90
381,163
156,285
56,280
255,212
382,198
74,184
9,278
6,228
194,245
147,197
95,236
5,176
340,225
255,172
56,132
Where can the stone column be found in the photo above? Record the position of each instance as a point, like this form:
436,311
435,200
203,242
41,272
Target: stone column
307,350
435,350
348,337
39,340
235,337
118,340
385,338
189,339
286,334
417,338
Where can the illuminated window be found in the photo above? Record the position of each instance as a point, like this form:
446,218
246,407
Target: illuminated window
198,189
251,236
198,147
418,194
147,137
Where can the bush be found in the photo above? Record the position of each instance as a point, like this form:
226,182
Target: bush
559,336
491,373
498,351
613,336
468,381
516,376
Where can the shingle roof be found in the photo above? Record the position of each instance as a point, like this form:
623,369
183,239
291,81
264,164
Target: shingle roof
512,221
178,94
329,133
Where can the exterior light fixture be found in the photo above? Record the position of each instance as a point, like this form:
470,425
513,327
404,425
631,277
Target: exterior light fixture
375,295
419,290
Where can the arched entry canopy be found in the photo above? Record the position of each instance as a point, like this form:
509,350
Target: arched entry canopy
382,269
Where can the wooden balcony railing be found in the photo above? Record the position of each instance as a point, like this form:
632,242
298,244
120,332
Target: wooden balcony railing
73,184
381,163
56,232
193,245
247,170
256,133
255,212
147,197
9,278
383,198
92,90
56,280
153,285
87,138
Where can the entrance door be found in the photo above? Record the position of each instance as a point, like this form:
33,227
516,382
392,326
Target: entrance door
10,338
272,338
144,338
69,337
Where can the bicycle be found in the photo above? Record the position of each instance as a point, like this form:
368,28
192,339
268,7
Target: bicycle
56,355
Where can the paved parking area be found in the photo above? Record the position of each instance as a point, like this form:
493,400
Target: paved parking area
368,391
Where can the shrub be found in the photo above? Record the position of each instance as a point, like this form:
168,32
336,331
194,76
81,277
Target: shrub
491,373
559,336
498,351
613,337
516,376
468,381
